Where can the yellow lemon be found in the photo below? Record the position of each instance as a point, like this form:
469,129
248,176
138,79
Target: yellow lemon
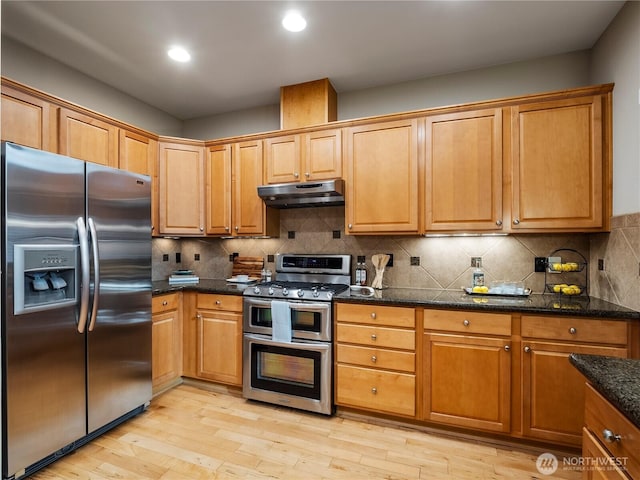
557,288
557,267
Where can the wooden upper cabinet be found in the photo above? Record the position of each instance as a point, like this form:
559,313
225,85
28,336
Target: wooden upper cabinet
382,177
28,120
139,154
304,157
87,138
249,210
558,165
463,187
218,190
181,179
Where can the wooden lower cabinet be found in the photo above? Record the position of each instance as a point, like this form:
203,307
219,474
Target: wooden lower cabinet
166,357
598,462
375,358
213,338
552,389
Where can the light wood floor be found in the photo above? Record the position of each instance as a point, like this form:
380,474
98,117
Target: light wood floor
190,433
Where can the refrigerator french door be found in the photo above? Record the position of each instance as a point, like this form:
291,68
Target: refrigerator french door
76,303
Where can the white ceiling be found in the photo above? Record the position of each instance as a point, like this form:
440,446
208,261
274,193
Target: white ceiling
241,55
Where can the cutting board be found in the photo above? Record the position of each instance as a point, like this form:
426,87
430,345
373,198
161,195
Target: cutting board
251,266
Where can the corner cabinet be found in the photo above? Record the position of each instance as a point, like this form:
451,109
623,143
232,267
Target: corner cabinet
304,157
463,167
382,177
181,188
560,177
467,369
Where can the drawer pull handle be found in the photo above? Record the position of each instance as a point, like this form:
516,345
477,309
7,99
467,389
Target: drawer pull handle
610,437
466,323
374,336
165,303
374,359
374,390
373,315
527,349
572,331
507,348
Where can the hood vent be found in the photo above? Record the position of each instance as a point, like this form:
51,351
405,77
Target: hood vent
324,193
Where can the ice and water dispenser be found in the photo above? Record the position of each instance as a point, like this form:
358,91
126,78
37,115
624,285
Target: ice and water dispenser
45,277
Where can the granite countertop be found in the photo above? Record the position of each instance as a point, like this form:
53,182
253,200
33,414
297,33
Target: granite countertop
453,299
617,379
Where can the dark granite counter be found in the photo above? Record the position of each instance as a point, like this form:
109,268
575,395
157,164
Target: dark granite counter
617,379
536,303
452,299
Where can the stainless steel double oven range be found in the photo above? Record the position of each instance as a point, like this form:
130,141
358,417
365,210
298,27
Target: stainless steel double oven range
296,373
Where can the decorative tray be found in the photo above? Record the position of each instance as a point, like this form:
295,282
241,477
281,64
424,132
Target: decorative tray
525,293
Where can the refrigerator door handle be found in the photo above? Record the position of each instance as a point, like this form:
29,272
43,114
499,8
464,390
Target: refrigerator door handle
96,274
84,274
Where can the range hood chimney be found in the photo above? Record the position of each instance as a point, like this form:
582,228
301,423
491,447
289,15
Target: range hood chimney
324,193
310,103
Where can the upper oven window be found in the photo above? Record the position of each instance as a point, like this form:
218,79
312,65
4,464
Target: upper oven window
301,319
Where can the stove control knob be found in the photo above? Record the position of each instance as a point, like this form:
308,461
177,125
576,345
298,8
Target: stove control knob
270,290
256,290
314,291
329,295
300,292
285,291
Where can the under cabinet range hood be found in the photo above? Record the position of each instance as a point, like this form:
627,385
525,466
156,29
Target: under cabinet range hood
323,193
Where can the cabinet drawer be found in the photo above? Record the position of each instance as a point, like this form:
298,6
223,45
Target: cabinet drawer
376,315
600,415
376,357
211,301
376,390
467,322
376,336
575,329
164,303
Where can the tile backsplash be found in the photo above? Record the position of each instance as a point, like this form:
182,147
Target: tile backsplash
444,262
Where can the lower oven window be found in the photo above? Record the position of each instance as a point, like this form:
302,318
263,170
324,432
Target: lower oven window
286,370
308,321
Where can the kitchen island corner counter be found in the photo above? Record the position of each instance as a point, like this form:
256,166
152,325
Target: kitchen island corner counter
617,379
548,304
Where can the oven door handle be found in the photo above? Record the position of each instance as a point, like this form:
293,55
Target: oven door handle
309,307
297,344
252,302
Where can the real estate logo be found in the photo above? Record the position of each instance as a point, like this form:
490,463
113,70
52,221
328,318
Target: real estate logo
547,463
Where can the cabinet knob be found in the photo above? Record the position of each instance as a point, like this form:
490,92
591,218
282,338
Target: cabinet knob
374,359
516,221
202,229
218,302
198,316
350,226
237,228
499,223
466,323
165,303
374,390
374,336
373,315
306,174
226,229
296,175
572,330
527,349
610,437
507,348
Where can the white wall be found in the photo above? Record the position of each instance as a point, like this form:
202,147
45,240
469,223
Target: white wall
616,58
25,65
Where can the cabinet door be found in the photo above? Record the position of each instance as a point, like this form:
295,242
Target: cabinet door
87,138
382,178
463,186
219,350
282,159
139,154
181,179
248,207
28,120
218,194
166,347
557,155
553,390
468,381
322,155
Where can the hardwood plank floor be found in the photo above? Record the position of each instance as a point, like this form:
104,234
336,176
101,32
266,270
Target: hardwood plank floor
191,433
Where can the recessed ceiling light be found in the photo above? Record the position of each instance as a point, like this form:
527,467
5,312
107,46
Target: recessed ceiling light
294,22
179,54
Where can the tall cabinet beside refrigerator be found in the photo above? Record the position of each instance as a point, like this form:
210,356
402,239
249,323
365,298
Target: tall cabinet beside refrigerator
76,303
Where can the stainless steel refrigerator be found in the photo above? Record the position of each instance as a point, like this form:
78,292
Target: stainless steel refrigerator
76,303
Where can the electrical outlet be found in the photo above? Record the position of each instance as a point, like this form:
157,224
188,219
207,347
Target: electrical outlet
270,258
415,261
390,264
178,257
336,234
540,264
291,234
165,257
600,264
476,261
196,257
